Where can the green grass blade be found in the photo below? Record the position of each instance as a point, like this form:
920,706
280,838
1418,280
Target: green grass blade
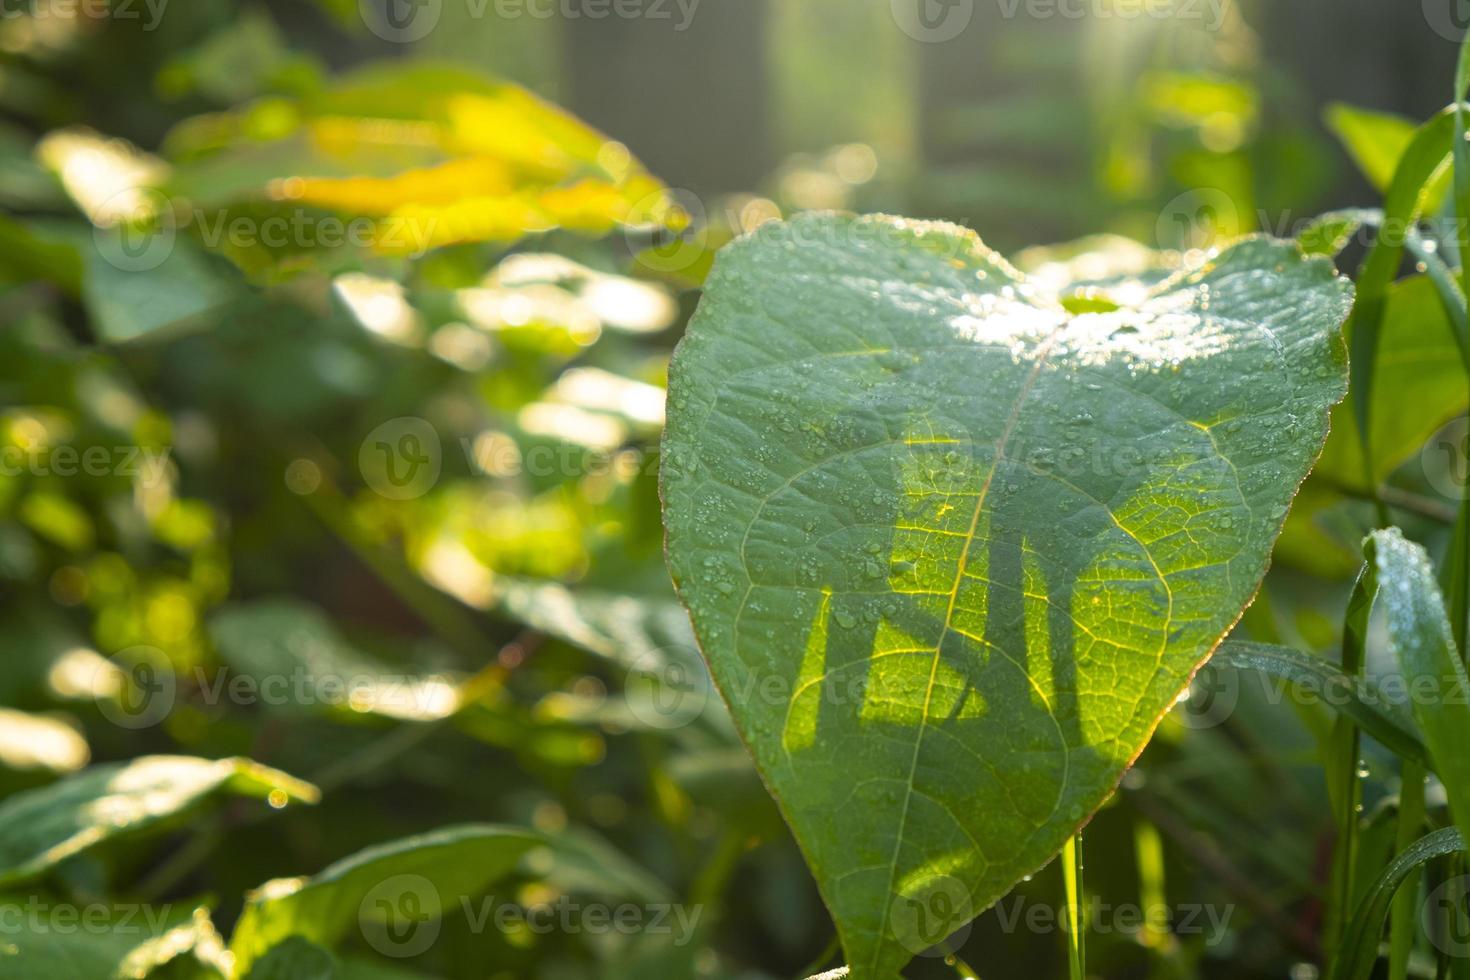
1420,172
1360,951
1455,575
1358,698
1451,297
1420,637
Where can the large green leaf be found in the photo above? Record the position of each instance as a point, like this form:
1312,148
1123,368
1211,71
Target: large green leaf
952,551
402,887
43,827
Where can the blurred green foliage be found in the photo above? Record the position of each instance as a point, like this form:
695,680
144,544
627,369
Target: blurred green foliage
330,394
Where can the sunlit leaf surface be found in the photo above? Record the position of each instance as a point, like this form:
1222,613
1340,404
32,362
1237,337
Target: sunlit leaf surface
428,875
953,550
41,828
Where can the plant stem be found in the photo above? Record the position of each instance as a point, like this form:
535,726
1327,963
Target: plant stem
1076,914
1402,919
1343,783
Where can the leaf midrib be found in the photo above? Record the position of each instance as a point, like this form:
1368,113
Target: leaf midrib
964,560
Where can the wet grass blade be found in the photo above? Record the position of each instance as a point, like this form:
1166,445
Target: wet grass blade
1360,951
1421,171
1420,637
1358,698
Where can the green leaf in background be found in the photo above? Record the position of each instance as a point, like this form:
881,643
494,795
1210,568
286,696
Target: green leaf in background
295,959
128,301
953,551
436,154
1375,140
1328,234
41,828
28,257
31,742
1420,638
37,942
420,878
299,959
284,640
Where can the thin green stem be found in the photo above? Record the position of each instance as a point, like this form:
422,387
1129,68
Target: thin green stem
1076,912
1343,783
1403,921
962,969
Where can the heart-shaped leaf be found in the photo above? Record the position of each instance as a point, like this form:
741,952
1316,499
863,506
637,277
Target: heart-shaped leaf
953,543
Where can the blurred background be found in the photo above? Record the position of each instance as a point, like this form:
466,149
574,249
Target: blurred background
332,348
